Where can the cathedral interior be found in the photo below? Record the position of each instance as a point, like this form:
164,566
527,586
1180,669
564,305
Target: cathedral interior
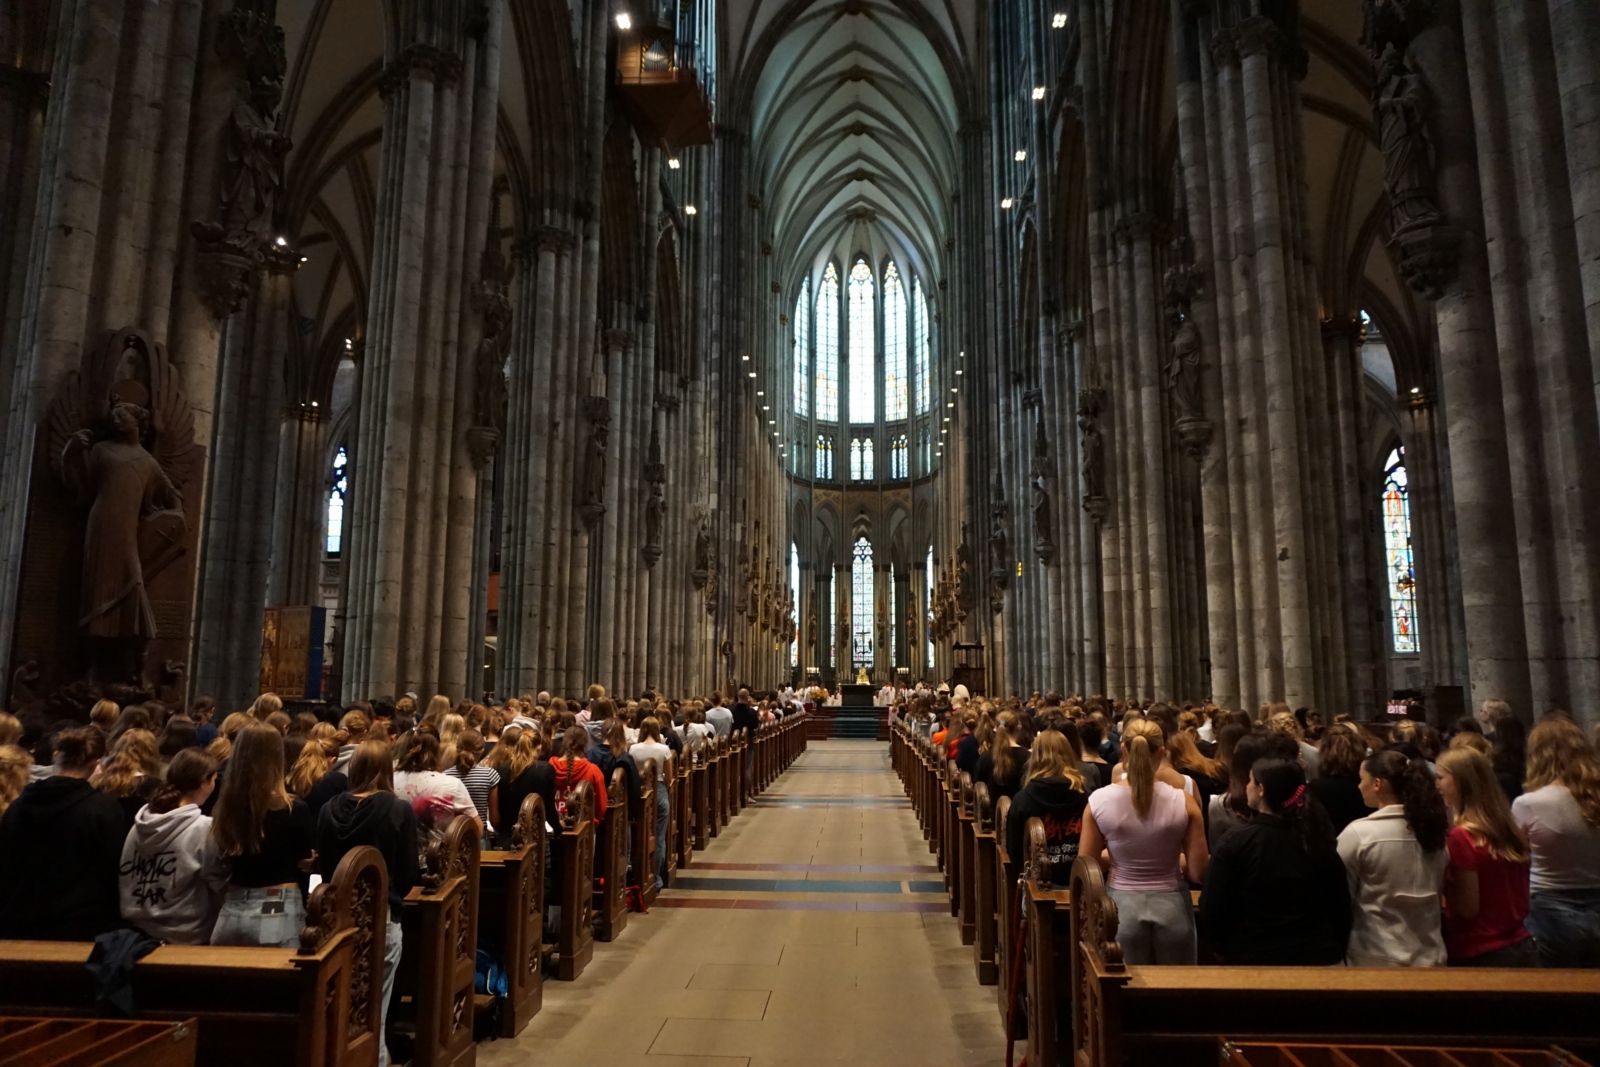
1197,350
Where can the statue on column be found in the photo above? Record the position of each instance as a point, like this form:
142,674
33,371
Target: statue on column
125,447
1092,455
1044,545
702,555
592,477
491,298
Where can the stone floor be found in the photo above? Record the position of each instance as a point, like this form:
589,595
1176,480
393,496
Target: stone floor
814,931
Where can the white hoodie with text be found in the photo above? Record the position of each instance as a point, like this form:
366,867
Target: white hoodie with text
173,878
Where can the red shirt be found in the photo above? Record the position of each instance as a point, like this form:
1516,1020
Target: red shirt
582,771
1502,900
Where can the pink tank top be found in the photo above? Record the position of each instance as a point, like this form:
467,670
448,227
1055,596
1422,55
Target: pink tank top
1144,852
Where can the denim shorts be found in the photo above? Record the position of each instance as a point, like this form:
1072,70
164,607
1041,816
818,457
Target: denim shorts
272,917
1566,923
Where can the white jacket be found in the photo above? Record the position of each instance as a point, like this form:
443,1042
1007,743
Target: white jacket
173,878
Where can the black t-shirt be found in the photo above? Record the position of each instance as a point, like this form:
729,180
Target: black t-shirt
1340,796
1054,802
538,777
328,786
967,753
285,842
1011,783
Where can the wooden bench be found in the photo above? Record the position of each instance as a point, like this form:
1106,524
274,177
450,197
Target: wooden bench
435,1000
96,1042
511,915
611,862
1008,927
966,856
1144,1016
700,797
575,936
683,809
986,887
950,832
1301,1054
316,1006
644,844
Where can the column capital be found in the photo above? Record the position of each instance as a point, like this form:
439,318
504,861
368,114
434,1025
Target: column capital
1225,48
444,68
1340,327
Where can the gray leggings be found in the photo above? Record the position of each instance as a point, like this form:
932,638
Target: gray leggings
1155,925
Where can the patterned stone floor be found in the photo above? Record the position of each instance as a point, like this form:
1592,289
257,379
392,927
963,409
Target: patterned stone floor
815,931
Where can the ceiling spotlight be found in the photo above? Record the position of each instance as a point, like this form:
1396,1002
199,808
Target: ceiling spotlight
766,407
1060,20
951,404
958,372
1020,156
1415,390
953,389
691,210
673,164
624,21
1005,205
761,392
947,418
772,422
1038,92
752,374
745,357
281,243
305,259
313,403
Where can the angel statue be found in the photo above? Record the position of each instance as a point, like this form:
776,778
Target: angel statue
125,449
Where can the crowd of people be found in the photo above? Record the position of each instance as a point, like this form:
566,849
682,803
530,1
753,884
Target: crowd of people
203,827
1393,844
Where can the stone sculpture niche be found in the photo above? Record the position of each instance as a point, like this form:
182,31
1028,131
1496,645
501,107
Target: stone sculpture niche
108,570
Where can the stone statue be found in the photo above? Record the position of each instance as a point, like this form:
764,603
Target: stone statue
655,512
1401,100
702,554
490,296
592,493
1183,372
1092,459
125,449
813,633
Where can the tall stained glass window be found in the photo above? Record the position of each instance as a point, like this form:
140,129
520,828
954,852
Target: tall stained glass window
833,622
861,459
863,381
802,350
1397,552
824,458
894,625
794,598
919,346
861,604
899,458
828,346
894,345
927,603
334,533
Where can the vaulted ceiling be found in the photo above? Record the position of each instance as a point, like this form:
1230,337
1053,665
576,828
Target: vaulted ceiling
852,108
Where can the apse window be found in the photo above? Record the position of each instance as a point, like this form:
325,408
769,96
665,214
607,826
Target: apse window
863,357
895,385
336,492
927,594
794,598
824,467
1397,553
802,351
919,345
861,604
900,458
828,346
861,459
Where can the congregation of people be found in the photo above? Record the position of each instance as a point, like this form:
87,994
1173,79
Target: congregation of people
1391,844
206,827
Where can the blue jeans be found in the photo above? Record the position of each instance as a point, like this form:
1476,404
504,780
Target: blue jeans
270,917
1566,923
663,813
391,965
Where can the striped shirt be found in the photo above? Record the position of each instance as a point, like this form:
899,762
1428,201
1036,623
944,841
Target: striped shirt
478,781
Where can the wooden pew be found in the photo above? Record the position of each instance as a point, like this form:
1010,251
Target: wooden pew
96,1042
986,886
683,808
575,939
316,1006
1008,915
611,862
435,1002
966,849
950,839
700,797
511,915
644,844
1144,1016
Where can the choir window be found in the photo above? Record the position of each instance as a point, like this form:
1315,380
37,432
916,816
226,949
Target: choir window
863,383
794,596
802,350
334,533
1397,553
927,601
861,604
894,345
828,347
861,459
919,306
899,458
824,458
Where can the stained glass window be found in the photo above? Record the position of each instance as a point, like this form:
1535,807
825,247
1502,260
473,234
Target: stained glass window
919,343
802,351
828,347
861,604
1397,552
863,382
824,457
927,602
336,492
900,458
894,345
894,624
861,459
794,597
833,623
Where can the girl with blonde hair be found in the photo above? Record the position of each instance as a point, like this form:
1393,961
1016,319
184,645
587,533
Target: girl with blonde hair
1559,814
132,772
1004,767
1054,794
267,835
15,768
1486,884
265,704
313,778
1154,837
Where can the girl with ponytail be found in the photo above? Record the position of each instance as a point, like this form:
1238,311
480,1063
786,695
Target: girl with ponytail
1275,890
1004,767
1154,838
1395,861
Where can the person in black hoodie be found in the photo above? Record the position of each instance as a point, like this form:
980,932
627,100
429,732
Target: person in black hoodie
1055,795
1275,891
748,719
62,843
371,814
611,753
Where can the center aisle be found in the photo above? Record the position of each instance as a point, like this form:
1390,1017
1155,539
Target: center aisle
814,931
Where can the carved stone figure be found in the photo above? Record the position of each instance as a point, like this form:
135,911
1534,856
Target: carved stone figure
702,555
1183,371
592,484
1402,103
655,513
124,448
813,632
492,300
